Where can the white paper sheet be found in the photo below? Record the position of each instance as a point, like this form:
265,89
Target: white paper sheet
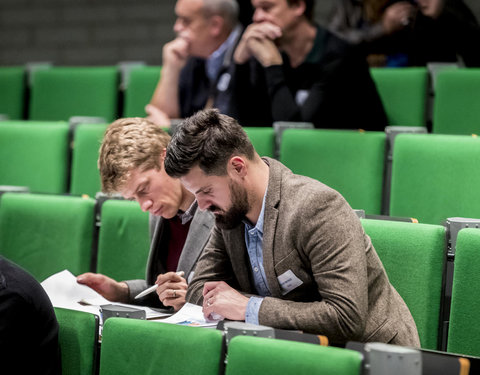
64,291
190,315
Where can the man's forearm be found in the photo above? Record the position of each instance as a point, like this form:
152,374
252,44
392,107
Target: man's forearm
166,93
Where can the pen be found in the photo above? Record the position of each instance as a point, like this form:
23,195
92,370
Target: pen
154,287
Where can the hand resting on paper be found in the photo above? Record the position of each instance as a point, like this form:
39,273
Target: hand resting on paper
220,300
110,289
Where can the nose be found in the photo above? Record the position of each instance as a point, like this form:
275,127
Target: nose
178,26
203,204
145,204
258,15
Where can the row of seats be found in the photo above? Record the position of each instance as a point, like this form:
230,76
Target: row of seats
46,234
143,347
52,157
58,93
433,176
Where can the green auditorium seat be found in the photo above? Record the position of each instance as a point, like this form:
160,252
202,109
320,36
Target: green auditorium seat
141,85
464,328
263,139
59,93
349,161
78,338
123,240
46,234
12,92
403,92
413,256
132,346
456,109
435,176
34,154
257,355
85,177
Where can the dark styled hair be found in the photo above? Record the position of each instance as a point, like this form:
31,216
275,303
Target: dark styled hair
309,7
207,139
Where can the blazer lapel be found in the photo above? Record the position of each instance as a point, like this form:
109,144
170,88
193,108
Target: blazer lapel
197,238
270,225
156,232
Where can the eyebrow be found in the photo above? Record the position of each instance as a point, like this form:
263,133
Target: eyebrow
202,189
141,186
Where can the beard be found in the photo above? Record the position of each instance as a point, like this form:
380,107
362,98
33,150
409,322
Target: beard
238,210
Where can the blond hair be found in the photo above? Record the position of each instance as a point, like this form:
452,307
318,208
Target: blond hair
128,144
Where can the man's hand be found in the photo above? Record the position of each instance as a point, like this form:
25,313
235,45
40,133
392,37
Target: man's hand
110,289
258,41
175,54
397,16
220,298
157,116
172,289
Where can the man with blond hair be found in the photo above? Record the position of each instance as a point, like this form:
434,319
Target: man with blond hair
131,163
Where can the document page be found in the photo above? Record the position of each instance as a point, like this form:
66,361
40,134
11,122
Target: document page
64,291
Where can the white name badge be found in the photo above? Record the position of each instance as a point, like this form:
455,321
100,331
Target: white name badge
223,82
288,281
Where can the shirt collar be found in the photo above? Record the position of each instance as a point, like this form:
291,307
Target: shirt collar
259,225
215,60
188,215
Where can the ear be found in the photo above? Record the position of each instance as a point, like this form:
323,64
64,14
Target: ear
217,24
237,167
163,154
298,7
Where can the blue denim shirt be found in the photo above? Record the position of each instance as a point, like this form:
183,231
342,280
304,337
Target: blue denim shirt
254,243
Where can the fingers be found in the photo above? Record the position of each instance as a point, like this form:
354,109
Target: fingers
210,285
93,280
84,277
263,30
173,297
176,51
157,116
169,277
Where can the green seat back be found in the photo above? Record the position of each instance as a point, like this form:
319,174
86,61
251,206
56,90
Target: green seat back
141,86
78,338
456,108
263,139
348,161
464,330
256,355
131,346
85,177
413,256
435,177
12,92
123,240
62,92
403,92
34,155
46,234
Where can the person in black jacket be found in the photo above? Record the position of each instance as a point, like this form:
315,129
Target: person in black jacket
289,69
28,326
422,30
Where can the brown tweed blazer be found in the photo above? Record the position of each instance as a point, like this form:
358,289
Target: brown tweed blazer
311,230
